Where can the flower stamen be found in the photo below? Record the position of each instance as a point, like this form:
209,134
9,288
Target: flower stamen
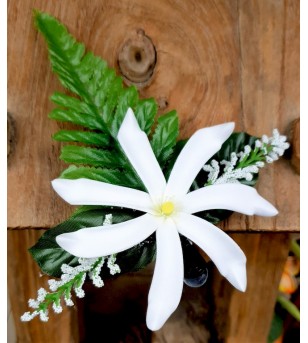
167,208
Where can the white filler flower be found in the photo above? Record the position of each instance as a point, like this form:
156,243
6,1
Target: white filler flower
169,208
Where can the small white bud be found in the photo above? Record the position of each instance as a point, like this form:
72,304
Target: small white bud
268,159
265,139
260,164
41,294
33,303
79,292
258,143
248,177
68,301
44,316
273,156
57,308
247,149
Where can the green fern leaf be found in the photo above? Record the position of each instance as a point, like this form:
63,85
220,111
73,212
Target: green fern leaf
92,157
91,138
145,112
73,104
101,104
76,118
112,176
128,98
165,135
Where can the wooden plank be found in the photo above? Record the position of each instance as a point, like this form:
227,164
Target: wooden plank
216,61
24,279
269,45
246,317
11,332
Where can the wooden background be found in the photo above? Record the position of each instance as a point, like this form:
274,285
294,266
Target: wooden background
217,61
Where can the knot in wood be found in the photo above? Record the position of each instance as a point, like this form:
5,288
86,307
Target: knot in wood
137,59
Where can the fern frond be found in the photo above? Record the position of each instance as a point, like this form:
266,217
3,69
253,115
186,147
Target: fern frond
86,137
101,104
76,118
164,137
92,157
112,176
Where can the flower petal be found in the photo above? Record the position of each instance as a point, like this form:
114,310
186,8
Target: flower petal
167,285
198,150
224,252
138,150
108,239
90,192
233,197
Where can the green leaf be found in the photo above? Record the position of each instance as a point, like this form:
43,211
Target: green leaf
102,99
128,98
236,142
73,104
91,156
50,256
165,135
100,104
92,138
109,107
145,112
64,53
276,328
176,151
112,176
76,118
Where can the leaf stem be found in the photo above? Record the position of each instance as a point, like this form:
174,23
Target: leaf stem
295,248
289,306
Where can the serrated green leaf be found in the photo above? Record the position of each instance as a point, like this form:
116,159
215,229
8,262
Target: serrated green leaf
76,118
73,104
101,105
115,88
86,137
165,135
176,151
112,176
50,256
64,52
91,156
108,82
145,112
128,98
103,99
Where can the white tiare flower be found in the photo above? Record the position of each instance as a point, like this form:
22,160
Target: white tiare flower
169,208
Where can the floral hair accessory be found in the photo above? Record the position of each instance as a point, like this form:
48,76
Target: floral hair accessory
141,197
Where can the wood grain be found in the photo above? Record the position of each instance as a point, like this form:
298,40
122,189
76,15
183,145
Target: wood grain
217,61
24,279
246,317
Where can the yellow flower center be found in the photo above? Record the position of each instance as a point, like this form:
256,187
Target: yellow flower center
167,208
